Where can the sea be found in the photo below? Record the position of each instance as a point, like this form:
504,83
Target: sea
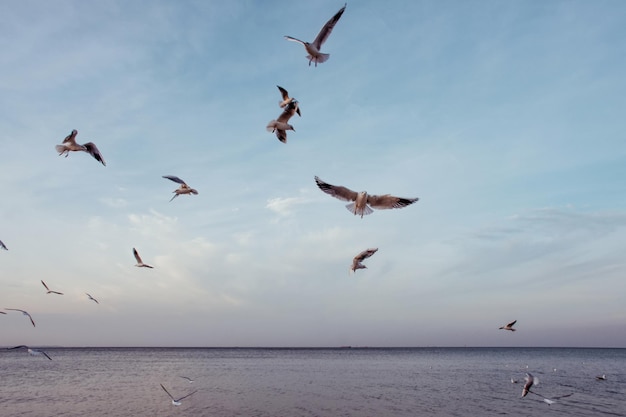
293,382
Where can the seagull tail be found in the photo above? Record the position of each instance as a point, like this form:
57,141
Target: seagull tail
352,209
271,126
60,149
319,58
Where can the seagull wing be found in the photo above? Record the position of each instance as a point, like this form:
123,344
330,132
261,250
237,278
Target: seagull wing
188,395
44,284
3,246
337,191
292,39
45,354
168,393
92,149
31,319
327,29
365,254
175,179
511,324
17,347
387,201
137,257
287,113
91,298
283,92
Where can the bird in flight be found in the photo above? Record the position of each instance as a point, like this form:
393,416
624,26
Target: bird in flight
183,189
69,144
356,262
530,381
362,203
286,99
188,379
280,125
140,263
601,377
509,326
3,246
176,401
91,298
50,291
313,48
32,352
25,313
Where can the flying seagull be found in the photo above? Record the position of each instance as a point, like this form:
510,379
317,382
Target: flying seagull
174,400
314,47
280,125
601,377
356,262
32,352
25,313
48,289
363,202
69,144
509,326
183,189
188,379
286,99
139,261
3,246
530,381
91,298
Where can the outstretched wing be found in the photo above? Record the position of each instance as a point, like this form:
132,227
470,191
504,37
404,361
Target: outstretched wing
337,191
167,392
45,354
188,395
365,254
512,323
387,201
3,246
92,149
327,29
283,92
137,257
174,178
44,284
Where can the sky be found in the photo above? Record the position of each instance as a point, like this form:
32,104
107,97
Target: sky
505,119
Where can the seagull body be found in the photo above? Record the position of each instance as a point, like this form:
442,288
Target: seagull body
25,313
32,352
183,189
50,291
313,48
280,125
69,145
140,263
3,246
356,262
287,100
91,298
509,326
363,202
601,378
176,401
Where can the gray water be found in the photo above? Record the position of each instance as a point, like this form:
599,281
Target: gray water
311,382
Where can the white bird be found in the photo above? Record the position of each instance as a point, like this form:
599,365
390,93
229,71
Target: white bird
25,313
50,291
509,326
188,379
313,48
176,401
32,352
91,298
356,262
286,99
69,144
3,246
139,261
363,202
280,125
183,189
601,378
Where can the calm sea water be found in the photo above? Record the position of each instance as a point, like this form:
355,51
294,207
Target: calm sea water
311,382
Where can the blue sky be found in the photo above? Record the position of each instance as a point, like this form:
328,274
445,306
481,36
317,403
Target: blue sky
504,118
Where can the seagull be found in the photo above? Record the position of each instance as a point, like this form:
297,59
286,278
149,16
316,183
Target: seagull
363,202
601,378
356,262
509,326
32,352
287,99
25,313
513,381
48,289
280,125
313,48
174,400
188,379
3,246
139,261
530,381
69,144
91,298
183,189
